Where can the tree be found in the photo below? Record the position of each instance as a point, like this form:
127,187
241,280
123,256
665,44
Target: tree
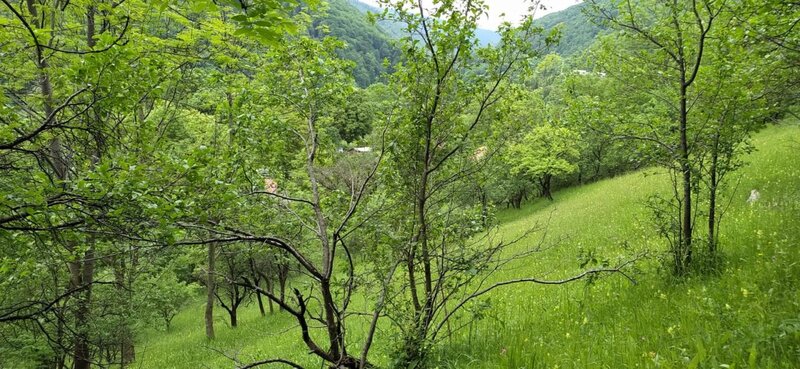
229,292
671,39
61,133
545,152
162,296
549,74
735,103
591,107
771,31
452,98
92,119
695,95
306,81
354,121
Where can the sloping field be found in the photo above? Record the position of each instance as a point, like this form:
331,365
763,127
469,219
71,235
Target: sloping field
745,316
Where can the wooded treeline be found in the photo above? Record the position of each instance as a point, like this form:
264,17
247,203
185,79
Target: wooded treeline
153,149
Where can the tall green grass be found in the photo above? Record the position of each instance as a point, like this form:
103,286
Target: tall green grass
745,316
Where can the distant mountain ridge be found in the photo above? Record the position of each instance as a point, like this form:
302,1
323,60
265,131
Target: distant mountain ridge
485,36
578,30
369,44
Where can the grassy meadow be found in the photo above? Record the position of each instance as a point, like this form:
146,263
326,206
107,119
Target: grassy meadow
745,316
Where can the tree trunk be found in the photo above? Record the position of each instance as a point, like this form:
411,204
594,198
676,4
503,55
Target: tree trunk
597,168
331,323
211,285
271,289
60,354
82,356
125,338
712,201
257,277
686,226
545,182
83,275
261,305
412,278
516,200
231,125
283,276
423,233
484,207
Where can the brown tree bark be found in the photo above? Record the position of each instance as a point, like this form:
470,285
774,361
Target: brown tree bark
283,277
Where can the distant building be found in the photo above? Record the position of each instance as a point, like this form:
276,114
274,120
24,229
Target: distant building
361,150
583,72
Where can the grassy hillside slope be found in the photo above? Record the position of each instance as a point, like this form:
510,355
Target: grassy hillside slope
746,317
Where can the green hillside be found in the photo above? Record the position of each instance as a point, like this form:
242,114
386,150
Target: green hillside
578,31
484,36
368,45
750,318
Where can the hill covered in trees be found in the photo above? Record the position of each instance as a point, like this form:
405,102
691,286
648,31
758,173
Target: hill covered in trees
578,31
368,45
395,29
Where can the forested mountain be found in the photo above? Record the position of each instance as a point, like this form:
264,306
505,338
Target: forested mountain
367,44
395,29
578,31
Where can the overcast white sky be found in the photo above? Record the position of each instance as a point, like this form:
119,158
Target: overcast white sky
514,10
